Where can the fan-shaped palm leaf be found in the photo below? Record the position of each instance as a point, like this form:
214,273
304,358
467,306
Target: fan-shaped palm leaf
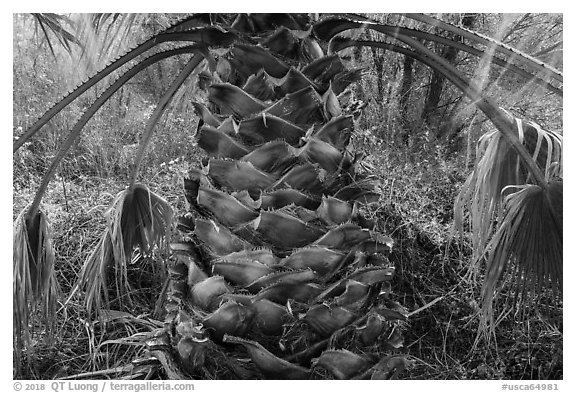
497,174
528,243
137,219
34,286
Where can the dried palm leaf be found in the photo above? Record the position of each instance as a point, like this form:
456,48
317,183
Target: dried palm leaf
207,293
342,363
320,259
289,276
267,127
231,318
270,365
241,272
217,238
498,165
138,219
269,317
281,292
34,286
325,320
528,244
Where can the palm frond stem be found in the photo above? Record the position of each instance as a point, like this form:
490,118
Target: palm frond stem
498,117
160,108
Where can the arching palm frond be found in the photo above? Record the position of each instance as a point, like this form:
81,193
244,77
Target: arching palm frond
509,215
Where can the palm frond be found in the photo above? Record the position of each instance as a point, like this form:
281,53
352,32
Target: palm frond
528,244
535,65
138,219
516,233
34,285
498,166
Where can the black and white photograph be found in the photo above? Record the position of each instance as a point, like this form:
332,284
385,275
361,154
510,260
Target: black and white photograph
287,196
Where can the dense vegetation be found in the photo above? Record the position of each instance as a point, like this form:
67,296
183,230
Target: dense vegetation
408,146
